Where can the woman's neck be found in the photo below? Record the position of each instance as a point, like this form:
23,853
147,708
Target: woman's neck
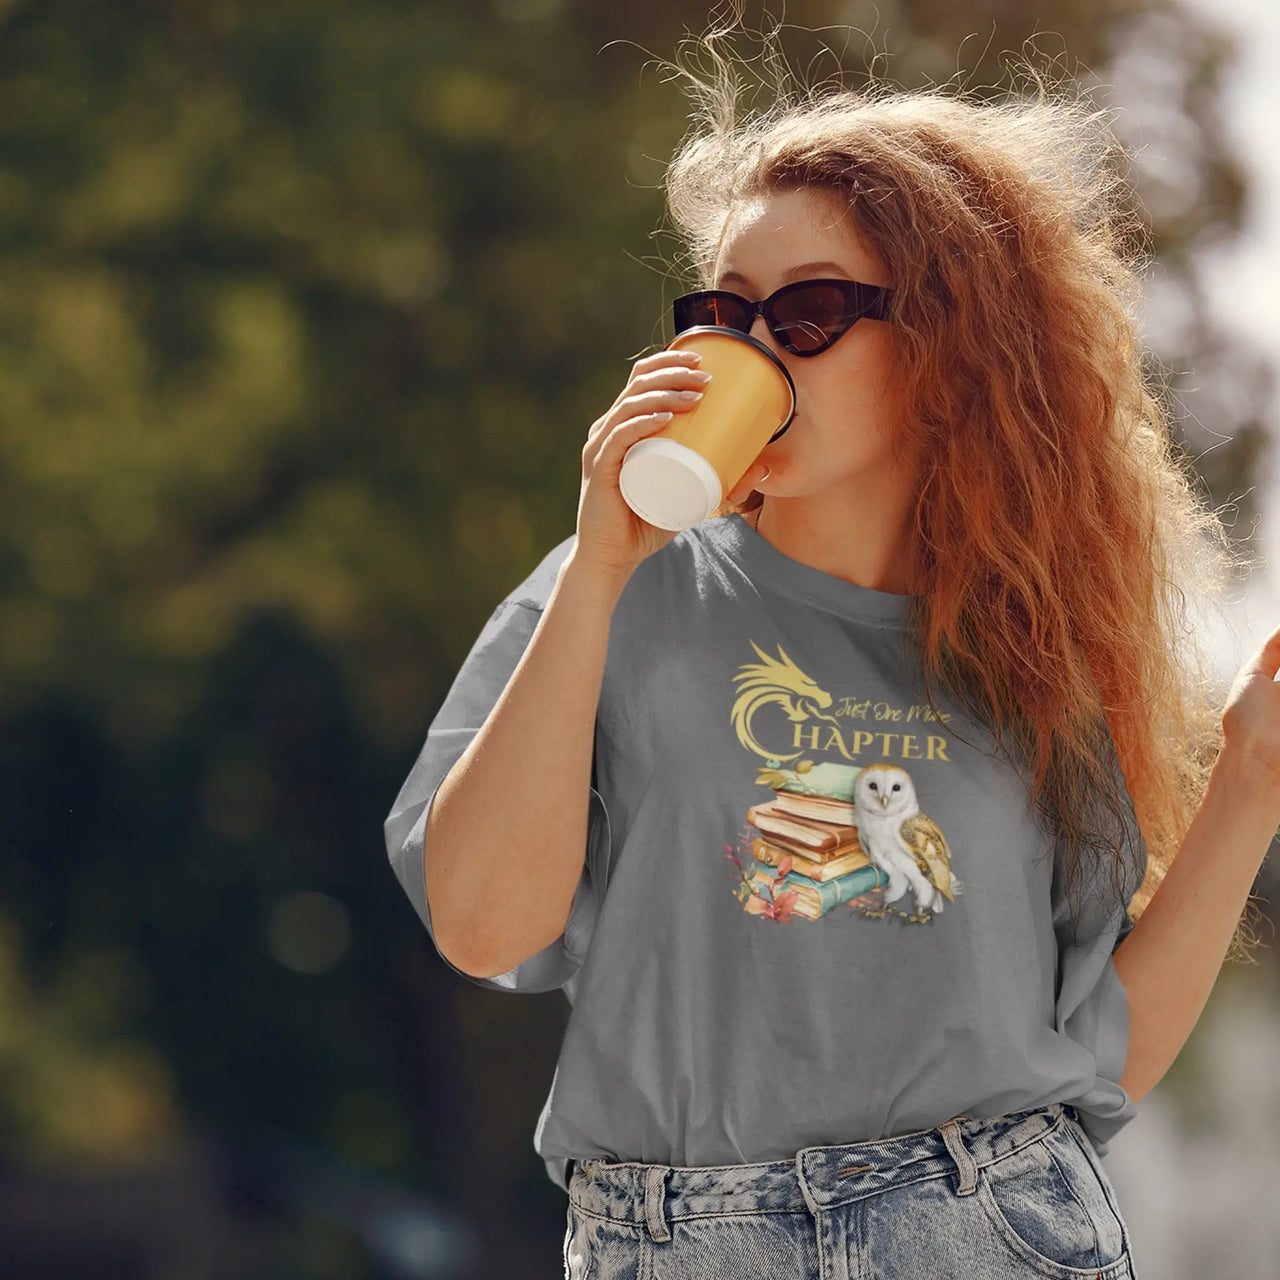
810,547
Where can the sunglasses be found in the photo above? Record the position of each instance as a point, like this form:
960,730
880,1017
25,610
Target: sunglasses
805,317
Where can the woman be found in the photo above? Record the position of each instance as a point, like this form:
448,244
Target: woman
824,813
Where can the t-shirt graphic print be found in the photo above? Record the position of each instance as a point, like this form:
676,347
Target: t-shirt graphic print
836,834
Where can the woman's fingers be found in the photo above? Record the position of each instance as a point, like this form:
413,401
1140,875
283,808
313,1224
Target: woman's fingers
671,387
648,373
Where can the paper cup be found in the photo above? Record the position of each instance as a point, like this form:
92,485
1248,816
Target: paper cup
678,476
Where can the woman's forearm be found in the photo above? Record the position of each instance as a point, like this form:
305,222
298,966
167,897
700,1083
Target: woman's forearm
1171,958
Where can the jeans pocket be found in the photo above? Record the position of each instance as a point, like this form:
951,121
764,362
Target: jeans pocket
1048,1204
1094,1161
603,1249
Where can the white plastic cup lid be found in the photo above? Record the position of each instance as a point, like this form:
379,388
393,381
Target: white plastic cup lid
668,484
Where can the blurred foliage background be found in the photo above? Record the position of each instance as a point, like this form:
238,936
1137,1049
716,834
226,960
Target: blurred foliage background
305,309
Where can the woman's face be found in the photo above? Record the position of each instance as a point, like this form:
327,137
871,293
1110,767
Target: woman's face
845,413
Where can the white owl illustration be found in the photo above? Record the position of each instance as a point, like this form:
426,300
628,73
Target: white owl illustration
903,842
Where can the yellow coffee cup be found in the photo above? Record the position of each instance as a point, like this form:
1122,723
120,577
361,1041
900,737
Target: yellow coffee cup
678,476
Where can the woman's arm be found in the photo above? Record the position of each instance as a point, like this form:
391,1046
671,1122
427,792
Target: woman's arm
1173,954
496,900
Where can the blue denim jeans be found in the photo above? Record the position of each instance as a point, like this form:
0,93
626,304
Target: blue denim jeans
1017,1196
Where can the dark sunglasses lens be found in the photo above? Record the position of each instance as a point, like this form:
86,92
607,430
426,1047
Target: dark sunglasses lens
807,320
709,308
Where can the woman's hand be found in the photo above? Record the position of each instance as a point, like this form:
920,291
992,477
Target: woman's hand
1251,722
612,539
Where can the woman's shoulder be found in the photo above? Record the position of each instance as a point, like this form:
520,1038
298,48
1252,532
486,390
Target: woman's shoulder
536,588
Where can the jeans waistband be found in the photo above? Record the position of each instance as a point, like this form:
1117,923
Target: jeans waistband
815,1178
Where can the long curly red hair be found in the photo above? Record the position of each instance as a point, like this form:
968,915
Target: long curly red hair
1059,530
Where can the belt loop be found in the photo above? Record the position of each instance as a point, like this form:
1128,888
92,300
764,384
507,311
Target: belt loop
963,1157
655,1192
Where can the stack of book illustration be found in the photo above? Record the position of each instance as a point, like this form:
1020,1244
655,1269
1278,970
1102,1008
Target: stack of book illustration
811,820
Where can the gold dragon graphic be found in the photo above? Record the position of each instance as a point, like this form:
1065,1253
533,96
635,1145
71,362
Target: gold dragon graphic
775,681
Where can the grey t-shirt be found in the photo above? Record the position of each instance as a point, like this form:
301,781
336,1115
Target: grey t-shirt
811,911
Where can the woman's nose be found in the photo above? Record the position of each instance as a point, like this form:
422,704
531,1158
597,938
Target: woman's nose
760,331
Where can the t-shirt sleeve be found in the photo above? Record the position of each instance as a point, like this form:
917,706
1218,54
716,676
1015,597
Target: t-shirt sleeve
1092,1006
475,689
